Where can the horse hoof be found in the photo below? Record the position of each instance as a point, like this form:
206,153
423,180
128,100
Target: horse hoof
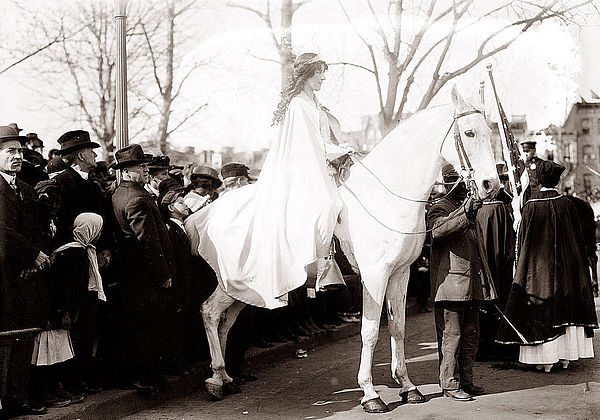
214,391
413,396
230,388
375,405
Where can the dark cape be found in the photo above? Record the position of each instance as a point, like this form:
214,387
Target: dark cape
552,285
496,241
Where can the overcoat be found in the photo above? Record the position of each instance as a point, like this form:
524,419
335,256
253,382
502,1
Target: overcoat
79,196
20,305
144,267
456,273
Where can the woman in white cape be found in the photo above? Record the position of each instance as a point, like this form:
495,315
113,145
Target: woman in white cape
262,239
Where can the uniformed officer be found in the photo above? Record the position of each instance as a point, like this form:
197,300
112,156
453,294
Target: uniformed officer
531,162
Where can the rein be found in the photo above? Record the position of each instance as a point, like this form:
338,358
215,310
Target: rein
466,169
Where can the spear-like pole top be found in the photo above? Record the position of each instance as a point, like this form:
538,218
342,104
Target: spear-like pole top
488,66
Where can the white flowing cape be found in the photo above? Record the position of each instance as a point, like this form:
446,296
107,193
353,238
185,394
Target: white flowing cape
260,238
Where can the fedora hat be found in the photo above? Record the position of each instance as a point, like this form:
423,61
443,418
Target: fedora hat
8,133
206,172
34,137
16,127
130,155
234,169
159,162
75,140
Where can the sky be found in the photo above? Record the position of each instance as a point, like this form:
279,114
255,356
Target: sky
540,75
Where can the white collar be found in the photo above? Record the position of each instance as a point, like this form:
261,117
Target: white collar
178,223
152,190
84,175
548,189
10,179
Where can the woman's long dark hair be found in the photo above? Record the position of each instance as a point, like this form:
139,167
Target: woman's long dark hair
305,66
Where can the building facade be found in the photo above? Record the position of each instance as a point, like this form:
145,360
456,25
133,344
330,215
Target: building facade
578,148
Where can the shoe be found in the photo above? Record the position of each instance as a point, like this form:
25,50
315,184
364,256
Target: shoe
473,389
424,309
347,318
457,394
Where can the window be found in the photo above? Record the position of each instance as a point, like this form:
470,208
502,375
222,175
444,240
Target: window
585,126
587,182
598,126
588,153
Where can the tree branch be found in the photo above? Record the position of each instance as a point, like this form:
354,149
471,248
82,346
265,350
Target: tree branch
344,63
190,115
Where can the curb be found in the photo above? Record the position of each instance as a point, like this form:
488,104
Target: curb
117,403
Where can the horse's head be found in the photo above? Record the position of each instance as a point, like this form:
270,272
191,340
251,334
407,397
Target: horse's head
473,150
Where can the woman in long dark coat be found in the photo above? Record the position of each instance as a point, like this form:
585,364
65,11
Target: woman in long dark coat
550,302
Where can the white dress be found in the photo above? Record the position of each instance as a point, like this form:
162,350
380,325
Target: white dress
572,345
260,238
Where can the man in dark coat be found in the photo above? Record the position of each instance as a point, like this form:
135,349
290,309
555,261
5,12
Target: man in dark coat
159,171
552,287
79,194
458,286
21,288
175,211
531,163
144,268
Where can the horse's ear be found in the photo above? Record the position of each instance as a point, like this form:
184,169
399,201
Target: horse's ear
457,100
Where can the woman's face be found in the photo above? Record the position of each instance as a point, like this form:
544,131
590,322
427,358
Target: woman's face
316,80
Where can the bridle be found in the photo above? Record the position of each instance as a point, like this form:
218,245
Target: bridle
465,167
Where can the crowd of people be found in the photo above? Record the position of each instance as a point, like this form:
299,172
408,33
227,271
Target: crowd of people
100,287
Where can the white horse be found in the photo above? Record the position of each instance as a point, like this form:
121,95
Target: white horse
382,231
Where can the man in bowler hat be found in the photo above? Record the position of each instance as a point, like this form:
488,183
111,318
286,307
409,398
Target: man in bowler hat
79,194
145,271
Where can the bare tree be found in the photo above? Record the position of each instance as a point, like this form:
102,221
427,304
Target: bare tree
282,41
74,62
163,41
431,47
76,67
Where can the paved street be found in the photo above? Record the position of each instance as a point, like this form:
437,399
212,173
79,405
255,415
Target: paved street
324,386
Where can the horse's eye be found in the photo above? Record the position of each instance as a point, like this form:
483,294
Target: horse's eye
470,133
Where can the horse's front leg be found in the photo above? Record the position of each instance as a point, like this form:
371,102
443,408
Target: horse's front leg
227,320
371,317
396,304
212,309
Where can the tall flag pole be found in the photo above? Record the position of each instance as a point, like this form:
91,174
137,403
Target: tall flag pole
482,96
517,172
122,134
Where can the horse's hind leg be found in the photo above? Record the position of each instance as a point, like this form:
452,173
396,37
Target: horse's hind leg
212,309
369,333
227,320
396,304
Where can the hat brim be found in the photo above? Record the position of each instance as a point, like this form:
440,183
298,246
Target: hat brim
20,139
127,163
216,181
90,145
